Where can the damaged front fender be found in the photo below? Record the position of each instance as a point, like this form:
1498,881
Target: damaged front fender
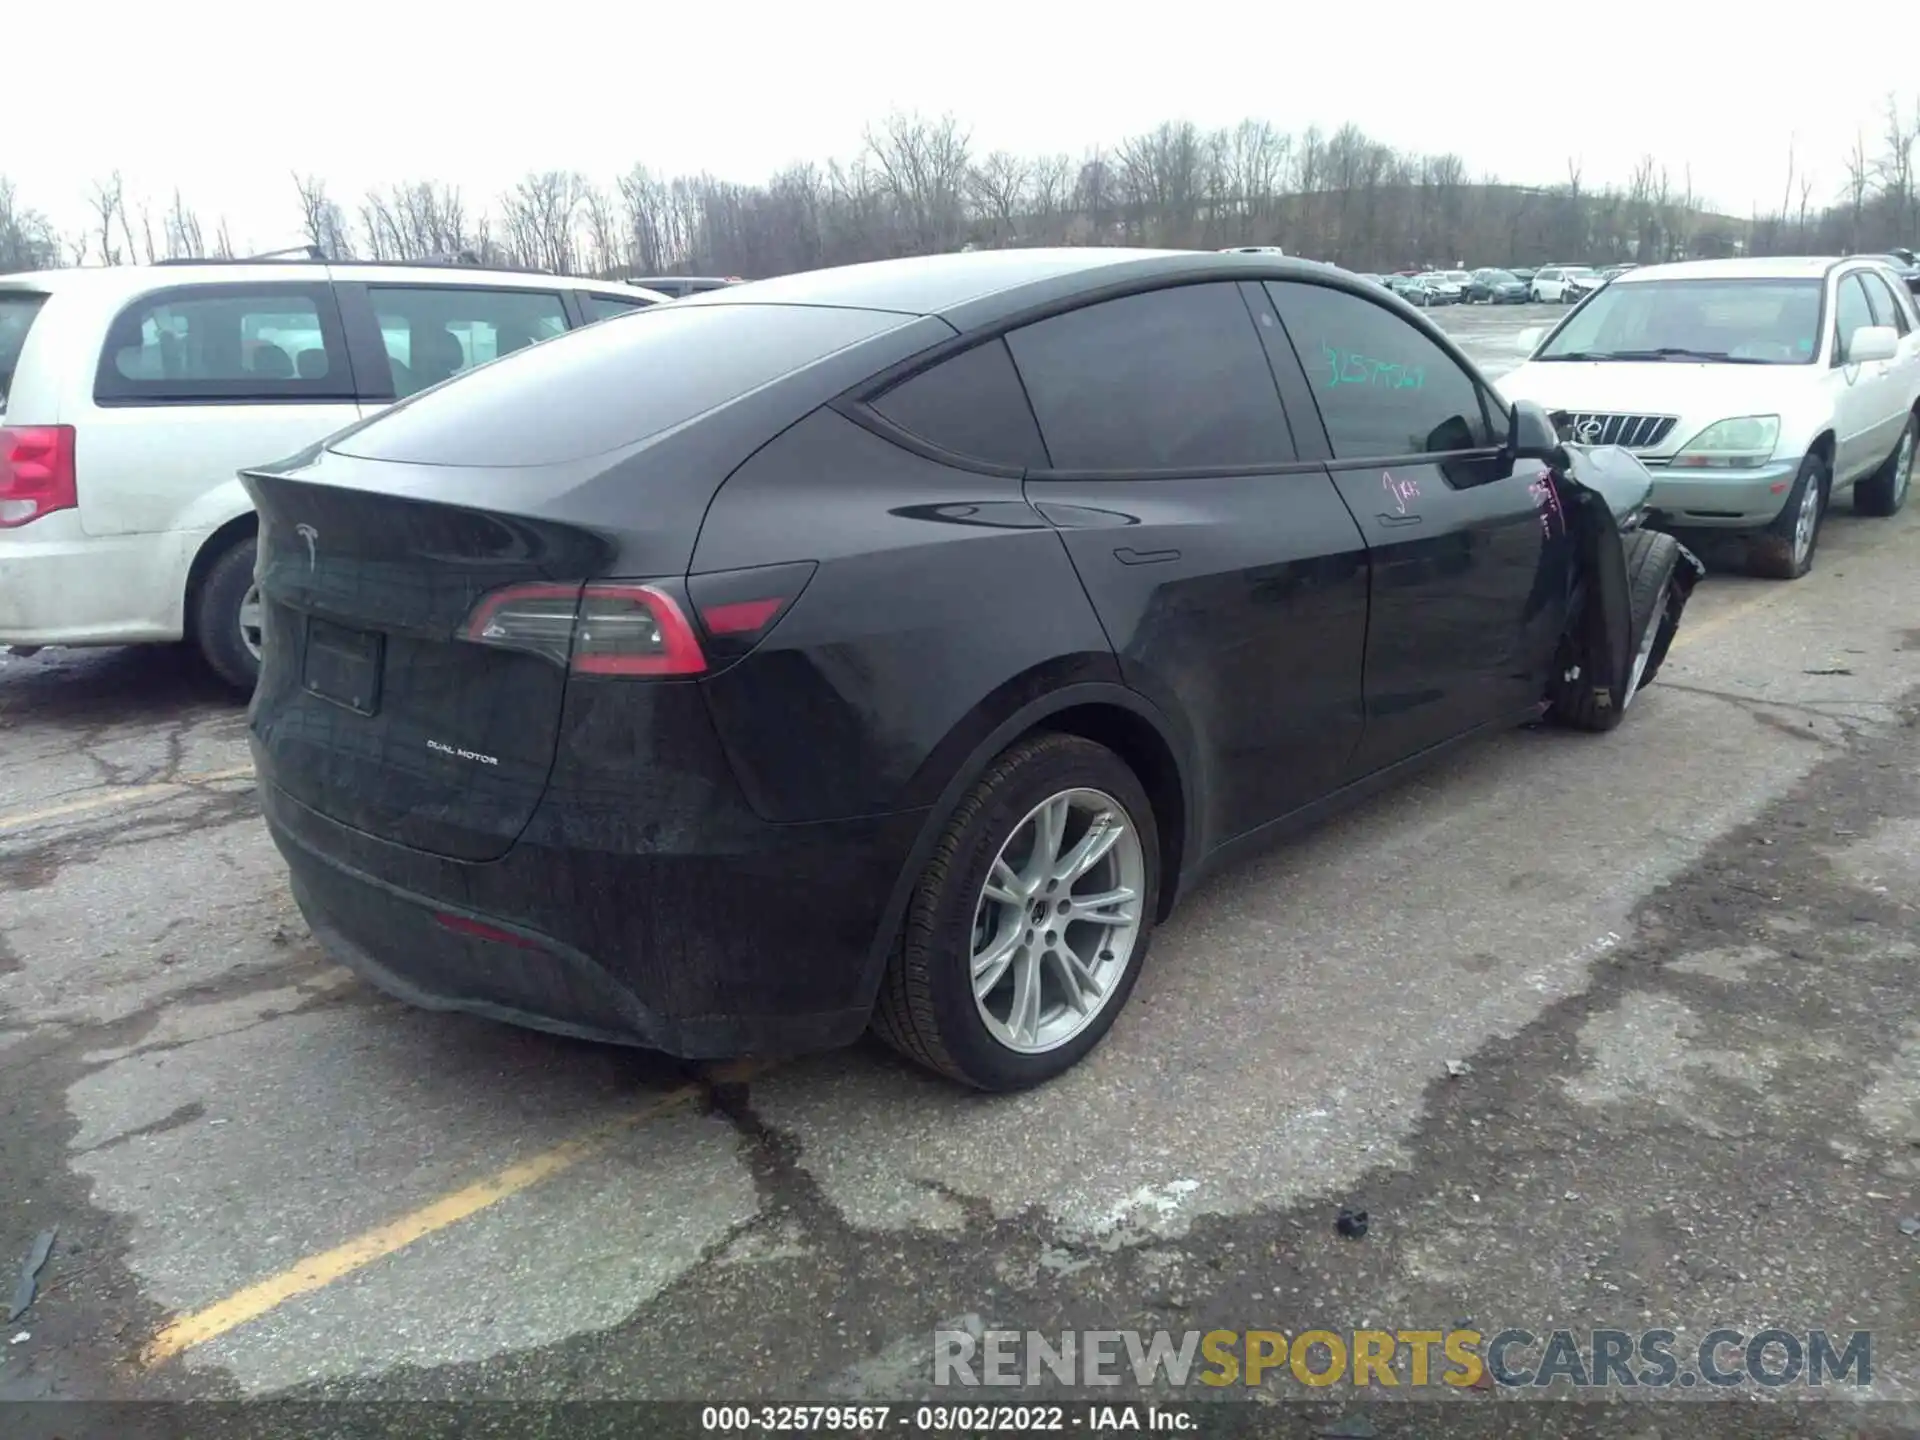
1604,492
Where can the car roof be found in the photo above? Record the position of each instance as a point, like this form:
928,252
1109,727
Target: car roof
1768,267
135,279
973,288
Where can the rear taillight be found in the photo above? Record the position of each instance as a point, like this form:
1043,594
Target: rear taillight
36,472
640,628
600,629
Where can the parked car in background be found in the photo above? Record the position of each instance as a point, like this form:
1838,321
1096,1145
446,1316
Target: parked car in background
1252,250
1555,284
1905,270
1443,290
1523,274
1758,391
1380,280
1496,287
1415,291
1579,285
812,588
131,396
676,286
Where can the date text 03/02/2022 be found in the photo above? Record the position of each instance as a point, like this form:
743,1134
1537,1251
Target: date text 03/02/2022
946,1419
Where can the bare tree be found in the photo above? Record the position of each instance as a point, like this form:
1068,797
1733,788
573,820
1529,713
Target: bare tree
999,185
184,241
27,238
542,217
321,219
108,202
924,164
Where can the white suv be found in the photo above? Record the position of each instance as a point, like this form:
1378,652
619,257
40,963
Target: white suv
1755,390
1562,284
130,396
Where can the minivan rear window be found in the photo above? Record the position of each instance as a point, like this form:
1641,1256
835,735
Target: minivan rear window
604,386
17,309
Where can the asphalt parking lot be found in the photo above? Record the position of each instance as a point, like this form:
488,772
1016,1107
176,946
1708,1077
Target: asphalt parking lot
1599,1030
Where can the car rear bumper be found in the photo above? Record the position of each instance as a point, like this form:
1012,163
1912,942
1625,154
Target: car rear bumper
61,586
743,938
1722,499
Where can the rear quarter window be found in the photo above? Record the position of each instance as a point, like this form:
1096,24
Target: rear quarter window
602,387
18,309
225,342
971,405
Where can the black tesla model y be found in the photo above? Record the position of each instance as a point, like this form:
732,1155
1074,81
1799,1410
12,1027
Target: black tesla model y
889,645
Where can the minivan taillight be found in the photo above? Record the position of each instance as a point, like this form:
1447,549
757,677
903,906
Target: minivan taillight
617,628
36,473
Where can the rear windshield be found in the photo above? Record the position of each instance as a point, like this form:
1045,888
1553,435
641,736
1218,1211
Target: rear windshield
607,386
17,309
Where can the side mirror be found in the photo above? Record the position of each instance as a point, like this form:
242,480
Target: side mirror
1872,342
1531,436
1528,340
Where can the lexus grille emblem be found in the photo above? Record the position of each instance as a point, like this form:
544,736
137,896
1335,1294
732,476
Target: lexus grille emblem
310,535
1587,432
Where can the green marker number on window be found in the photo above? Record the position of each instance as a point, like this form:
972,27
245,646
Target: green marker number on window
1346,368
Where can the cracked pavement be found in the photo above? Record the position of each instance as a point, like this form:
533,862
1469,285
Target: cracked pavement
1599,1030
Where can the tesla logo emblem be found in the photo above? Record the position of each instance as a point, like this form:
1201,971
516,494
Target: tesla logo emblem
1588,432
310,535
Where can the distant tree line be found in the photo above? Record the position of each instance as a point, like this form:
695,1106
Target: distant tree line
919,185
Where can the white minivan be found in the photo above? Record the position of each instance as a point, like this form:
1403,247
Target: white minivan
131,396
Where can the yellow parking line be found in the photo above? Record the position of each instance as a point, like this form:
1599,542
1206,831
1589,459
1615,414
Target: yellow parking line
118,795
1692,633
318,1271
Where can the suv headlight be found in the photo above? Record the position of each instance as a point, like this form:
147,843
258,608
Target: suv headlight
1738,444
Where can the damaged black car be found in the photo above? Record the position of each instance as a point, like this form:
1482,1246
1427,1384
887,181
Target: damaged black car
894,646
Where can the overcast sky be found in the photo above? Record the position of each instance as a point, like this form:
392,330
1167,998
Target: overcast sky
225,99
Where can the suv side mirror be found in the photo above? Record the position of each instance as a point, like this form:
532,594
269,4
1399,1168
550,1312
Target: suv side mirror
1528,340
1531,436
1872,342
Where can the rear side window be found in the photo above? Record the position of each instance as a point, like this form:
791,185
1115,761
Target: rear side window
225,342
17,309
432,333
971,404
605,386
605,307
1384,388
1886,307
1173,379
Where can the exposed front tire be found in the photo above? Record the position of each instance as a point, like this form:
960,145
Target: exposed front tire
1885,491
1026,931
1784,550
1652,560
226,617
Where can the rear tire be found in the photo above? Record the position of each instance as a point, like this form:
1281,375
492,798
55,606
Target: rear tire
1652,558
1783,551
1885,491
927,1008
224,591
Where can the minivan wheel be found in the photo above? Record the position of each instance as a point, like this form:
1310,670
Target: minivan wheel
226,617
1028,927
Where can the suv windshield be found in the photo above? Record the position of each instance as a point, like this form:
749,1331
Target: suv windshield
17,309
1751,322
1499,277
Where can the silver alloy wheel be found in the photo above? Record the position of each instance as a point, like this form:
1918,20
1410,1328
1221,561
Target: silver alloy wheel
1654,622
1806,523
1057,920
251,621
